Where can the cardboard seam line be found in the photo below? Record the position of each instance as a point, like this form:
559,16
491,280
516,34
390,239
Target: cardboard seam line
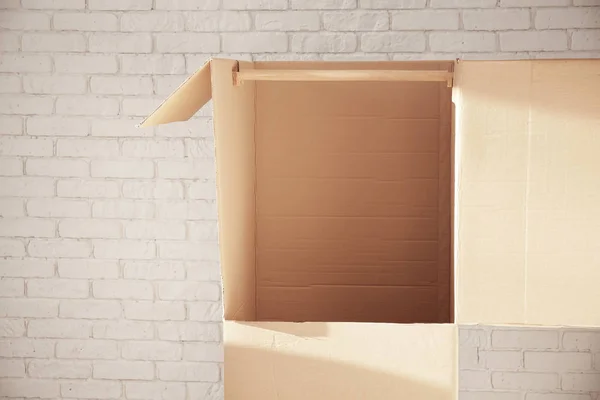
255,195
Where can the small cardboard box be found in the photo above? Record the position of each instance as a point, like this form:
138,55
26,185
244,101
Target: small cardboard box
338,208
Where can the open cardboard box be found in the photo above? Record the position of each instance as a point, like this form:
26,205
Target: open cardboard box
337,194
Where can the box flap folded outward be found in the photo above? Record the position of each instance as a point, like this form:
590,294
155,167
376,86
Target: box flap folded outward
182,104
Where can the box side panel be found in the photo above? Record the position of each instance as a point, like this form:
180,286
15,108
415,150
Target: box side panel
235,154
333,361
349,201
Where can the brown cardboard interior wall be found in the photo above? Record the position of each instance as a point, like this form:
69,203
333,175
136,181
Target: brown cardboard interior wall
529,192
353,199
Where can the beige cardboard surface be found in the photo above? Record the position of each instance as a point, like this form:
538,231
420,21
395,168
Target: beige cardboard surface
529,192
353,199
235,154
331,361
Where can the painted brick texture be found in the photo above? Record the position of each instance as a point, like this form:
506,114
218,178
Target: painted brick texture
529,363
108,239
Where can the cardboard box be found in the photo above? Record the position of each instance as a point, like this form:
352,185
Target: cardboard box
338,207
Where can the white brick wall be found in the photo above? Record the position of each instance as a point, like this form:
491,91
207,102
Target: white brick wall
529,363
108,255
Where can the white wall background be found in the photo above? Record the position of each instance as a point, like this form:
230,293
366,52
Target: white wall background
108,253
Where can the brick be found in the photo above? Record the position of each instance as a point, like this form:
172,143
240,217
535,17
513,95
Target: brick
255,42
356,21
90,309
187,5
9,84
392,4
57,167
287,21
85,63
158,189
11,167
578,2
87,349
474,379
165,85
30,348
323,43
24,21
9,41
154,270
154,311
87,148
122,169
557,396
123,330
118,5
535,3
255,4
533,41
59,328
53,42
118,128
188,371
12,369
40,388
121,85
54,4
152,22
524,381
11,208
555,361
153,148
479,395
586,39
12,328
189,251
26,268
218,21
124,249
425,20
154,230
563,18
393,42
85,22
57,126
203,231
323,4
140,106
10,125
25,63
462,41
123,209
496,20
11,248
59,248
58,288
8,4
88,269
123,289
192,291
189,332
123,370
85,189
120,43
12,287
16,146
502,360
194,63
468,358
208,391
581,382
59,369
207,352
91,389
155,391
193,210
87,105
188,169
89,228
148,350
206,271
581,340
462,3
525,339
26,105
187,43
